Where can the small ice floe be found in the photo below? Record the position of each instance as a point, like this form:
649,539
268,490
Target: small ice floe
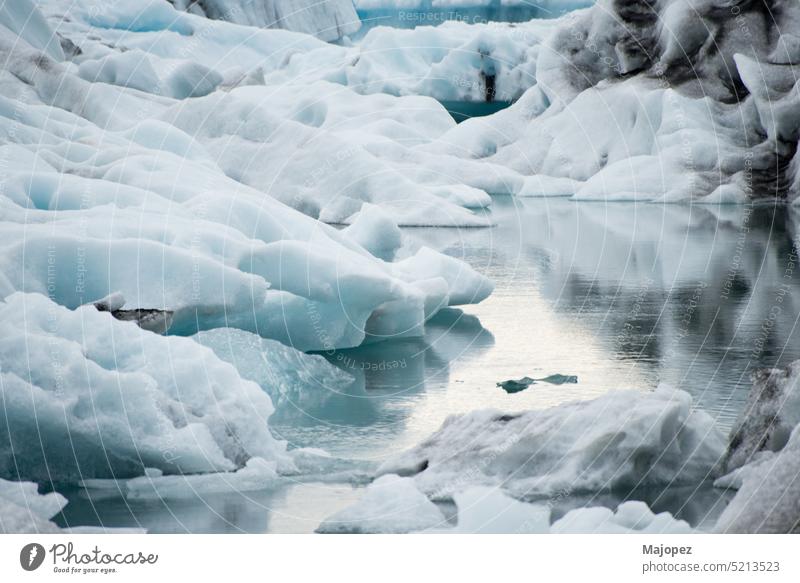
517,385
154,320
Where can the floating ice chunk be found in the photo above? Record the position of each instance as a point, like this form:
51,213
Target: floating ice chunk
24,510
390,504
619,440
539,185
633,517
124,398
257,474
490,511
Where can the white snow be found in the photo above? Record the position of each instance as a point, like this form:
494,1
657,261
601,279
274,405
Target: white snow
619,440
390,504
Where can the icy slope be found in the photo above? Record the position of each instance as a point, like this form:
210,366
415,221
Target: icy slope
619,440
327,19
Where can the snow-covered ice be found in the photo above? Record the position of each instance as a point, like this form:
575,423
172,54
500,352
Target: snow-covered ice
622,439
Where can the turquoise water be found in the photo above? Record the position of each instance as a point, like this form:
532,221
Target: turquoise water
625,296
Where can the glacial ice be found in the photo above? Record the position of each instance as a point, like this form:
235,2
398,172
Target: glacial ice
763,458
394,504
620,440
632,517
123,399
115,186
390,504
289,376
329,20
24,510
483,510
768,496
769,417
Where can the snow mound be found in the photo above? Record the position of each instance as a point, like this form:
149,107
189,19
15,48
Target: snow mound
123,399
390,504
619,440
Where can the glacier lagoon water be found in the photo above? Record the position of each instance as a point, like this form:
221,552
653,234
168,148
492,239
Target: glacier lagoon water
624,296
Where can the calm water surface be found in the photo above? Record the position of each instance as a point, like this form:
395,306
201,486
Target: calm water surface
625,296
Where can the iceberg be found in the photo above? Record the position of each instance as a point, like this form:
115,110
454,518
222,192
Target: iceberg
620,440
631,101
122,398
